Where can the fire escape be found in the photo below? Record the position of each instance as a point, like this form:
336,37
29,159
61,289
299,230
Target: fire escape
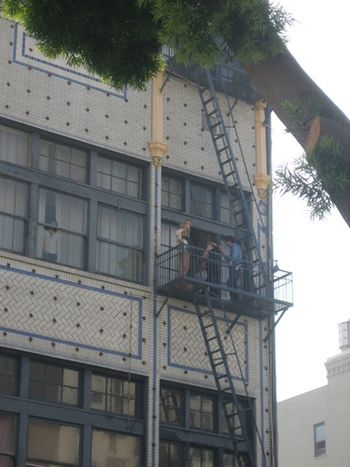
259,292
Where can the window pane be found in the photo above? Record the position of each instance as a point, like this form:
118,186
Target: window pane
53,442
14,146
61,236
13,213
8,375
53,383
201,201
114,449
170,454
6,461
114,395
120,177
64,161
171,406
7,433
172,192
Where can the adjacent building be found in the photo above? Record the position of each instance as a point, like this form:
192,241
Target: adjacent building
313,428
111,355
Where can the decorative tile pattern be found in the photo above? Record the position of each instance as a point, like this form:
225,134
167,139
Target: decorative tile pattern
186,348
26,53
59,311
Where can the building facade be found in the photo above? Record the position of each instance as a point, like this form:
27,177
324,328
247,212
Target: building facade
99,365
314,426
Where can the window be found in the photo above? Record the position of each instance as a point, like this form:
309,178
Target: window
62,228
168,236
229,460
8,375
120,177
172,192
202,412
202,201
14,146
114,449
52,443
64,161
69,435
320,439
171,406
200,457
246,408
54,219
53,383
171,454
225,212
113,395
7,439
13,214
120,243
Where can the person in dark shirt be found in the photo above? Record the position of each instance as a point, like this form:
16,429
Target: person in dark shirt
234,260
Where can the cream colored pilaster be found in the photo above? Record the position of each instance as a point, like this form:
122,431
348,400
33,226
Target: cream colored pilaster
156,147
262,179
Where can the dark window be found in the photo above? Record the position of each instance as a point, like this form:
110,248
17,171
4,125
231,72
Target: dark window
14,146
7,439
53,444
62,228
172,192
168,236
225,211
200,457
246,408
9,375
171,406
114,395
120,243
120,177
202,201
13,214
320,439
171,454
115,449
64,161
202,412
53,383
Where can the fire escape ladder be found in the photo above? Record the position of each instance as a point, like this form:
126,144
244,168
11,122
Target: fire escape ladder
239,205
236,414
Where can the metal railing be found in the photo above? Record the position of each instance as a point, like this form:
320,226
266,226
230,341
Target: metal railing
192,264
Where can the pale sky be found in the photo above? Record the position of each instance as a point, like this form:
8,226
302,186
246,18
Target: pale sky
317,252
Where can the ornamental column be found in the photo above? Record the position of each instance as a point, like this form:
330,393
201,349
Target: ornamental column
262,179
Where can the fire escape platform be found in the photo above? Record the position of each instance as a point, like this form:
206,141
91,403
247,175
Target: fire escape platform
251,296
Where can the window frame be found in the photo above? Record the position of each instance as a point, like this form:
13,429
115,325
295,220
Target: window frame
212,225
217,440
319,450
56,365
89,191
82,416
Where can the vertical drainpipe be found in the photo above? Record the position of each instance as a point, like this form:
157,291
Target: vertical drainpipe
157,150
262,181
271,328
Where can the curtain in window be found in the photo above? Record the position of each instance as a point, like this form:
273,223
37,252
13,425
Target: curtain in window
13,213
113,449
14,146
120,243
53,443
62,228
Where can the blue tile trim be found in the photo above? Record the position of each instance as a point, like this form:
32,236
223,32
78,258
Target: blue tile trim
136,356
121,95
200,370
